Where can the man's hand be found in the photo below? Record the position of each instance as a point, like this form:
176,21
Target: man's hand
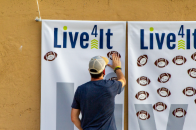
116,62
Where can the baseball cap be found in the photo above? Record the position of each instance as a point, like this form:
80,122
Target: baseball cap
97,64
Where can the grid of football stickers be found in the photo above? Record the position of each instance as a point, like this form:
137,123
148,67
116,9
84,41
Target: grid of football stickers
163,78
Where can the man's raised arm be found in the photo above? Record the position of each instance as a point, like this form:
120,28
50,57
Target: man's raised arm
116,66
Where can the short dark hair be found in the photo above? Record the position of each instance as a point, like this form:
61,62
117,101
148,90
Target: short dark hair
95,76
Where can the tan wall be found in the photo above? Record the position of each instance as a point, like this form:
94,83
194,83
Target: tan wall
20,45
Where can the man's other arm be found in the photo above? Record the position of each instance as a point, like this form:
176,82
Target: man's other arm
75,118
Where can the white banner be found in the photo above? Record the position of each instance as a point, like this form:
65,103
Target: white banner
67,47
162,75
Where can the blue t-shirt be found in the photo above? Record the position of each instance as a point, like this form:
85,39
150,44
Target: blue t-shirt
96,101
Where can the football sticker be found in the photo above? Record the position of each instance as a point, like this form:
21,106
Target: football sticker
142,60
142,95
179,60
109,54
179,112
163,92
161,62
143,81
192,72
160,106
193,56
143,115
164,77
113,78
50,56
189,91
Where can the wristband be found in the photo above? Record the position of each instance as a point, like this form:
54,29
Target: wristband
116,68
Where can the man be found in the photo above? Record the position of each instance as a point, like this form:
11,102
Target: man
96,98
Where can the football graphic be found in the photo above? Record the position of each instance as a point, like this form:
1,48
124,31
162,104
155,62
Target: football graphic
143,81
179,112
179,60
192,72
50,56
164,77
189,91
161,62
163,92
142,60
160,106
113,78
142,95
109,54
143,115
193,56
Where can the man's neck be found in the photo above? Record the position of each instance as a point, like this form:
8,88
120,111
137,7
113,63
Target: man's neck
93,79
